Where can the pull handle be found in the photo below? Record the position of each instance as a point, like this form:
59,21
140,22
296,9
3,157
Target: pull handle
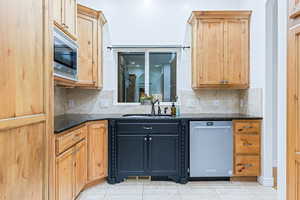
145,139
150,138
246,143
147,128
245,127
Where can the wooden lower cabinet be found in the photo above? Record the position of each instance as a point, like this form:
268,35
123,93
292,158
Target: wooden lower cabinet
80,159
80,166
97,150
71,164
64,176
247,147
247,165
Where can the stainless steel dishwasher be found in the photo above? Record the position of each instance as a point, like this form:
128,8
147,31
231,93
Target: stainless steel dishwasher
211,150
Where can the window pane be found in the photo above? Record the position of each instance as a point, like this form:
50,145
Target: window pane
131,77
163,76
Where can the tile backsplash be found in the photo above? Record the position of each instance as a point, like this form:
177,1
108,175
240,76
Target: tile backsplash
204,101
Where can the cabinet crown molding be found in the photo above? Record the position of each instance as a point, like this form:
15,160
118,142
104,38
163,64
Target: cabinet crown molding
91,13
239,14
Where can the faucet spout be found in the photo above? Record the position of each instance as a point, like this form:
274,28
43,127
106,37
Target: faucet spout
153,108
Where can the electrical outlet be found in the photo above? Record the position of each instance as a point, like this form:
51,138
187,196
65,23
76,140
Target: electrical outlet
71,103
216,102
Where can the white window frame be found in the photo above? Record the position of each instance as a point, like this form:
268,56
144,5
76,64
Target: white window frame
147,52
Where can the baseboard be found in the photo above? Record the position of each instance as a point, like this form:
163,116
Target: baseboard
267,182
244,179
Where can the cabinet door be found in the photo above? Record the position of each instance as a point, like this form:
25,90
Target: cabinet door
58,11
80,165
294,8
70,16
211,42
236,53
97,150
163,155
87,40
25,99
65,175
293,151
131,151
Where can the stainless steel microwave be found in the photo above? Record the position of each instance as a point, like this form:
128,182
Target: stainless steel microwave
65,56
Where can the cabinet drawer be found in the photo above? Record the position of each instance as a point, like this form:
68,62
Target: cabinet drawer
66,141
247,166
138,128
247,144
247,127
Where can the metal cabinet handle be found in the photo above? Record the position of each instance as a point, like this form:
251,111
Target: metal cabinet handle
246,143
150,138
145,139
147,128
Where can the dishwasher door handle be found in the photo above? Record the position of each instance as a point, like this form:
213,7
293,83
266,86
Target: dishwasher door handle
213,127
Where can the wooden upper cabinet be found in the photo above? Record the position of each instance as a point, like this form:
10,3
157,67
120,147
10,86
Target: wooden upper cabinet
65,16
70,13
57,11
211,59
90,25
97,150
236,53
220,49
294,10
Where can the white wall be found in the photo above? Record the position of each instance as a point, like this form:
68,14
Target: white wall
153,22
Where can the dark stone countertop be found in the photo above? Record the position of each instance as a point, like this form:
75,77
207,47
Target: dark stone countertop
67,121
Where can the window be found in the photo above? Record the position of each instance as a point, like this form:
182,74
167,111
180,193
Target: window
147,73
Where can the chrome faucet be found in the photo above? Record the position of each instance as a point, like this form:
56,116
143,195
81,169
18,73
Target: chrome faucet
153,108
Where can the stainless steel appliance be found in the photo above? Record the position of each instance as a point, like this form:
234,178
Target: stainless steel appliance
211,150
65,56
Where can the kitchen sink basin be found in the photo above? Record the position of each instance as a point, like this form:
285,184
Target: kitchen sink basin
144,115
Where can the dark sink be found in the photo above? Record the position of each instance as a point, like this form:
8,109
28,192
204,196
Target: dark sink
145,115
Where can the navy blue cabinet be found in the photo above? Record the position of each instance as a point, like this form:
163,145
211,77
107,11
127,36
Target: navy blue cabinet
163,155
147,148
131,155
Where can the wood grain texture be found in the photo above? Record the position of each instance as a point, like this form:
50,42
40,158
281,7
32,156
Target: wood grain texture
22,163
220,49
65,141
247,165
87,40
58,16
21,62
70,16
97,150
26,98
65,176
80,167
236,53
293,119
65,17
294,9
246,148
90,39
211,49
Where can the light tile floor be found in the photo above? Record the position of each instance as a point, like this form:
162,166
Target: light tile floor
161,190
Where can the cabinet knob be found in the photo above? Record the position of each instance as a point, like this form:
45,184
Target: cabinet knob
150,138
145,139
